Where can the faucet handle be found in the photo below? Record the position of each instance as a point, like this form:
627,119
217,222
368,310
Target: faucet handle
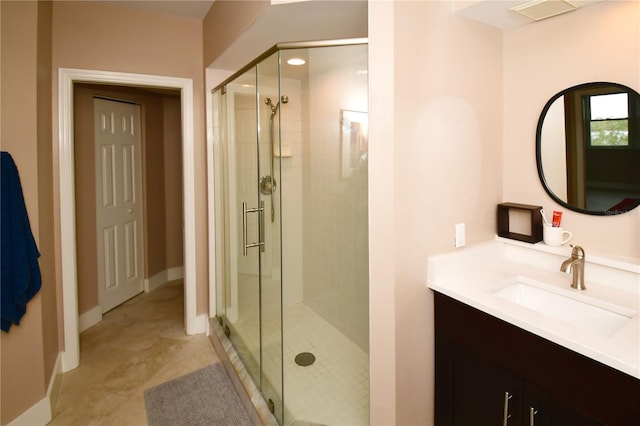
577,252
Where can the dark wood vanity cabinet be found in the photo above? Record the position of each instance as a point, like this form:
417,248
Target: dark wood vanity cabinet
485,365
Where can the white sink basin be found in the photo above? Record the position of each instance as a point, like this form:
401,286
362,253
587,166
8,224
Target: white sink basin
588,314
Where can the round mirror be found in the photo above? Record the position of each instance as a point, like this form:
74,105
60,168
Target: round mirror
588,148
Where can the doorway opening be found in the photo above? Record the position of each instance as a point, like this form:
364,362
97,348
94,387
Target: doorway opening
128,187
194,323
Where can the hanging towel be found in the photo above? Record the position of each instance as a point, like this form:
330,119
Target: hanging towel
19,270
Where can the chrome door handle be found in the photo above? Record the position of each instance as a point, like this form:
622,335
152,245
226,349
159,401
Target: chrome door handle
261,226
506,416
260,243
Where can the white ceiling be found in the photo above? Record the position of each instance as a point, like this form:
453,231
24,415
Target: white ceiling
498,13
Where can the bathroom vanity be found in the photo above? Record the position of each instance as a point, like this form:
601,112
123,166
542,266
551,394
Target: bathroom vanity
515,345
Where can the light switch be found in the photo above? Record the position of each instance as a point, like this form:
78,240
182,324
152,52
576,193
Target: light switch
460,237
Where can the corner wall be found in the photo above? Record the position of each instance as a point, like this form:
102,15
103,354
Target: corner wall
447,162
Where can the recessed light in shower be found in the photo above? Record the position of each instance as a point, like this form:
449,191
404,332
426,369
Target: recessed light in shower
296,61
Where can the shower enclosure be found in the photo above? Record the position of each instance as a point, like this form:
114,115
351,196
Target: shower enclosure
292,284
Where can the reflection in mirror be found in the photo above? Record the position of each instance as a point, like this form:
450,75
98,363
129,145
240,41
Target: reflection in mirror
588,148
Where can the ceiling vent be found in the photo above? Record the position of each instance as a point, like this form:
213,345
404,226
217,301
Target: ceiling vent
542,9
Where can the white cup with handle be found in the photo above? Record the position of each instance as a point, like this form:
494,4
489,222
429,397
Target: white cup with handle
555,235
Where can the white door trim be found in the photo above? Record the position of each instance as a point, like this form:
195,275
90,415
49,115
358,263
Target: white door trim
66,78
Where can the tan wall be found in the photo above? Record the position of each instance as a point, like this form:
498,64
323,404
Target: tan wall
597,43
29,350
161,123
98,36
226,21
173,182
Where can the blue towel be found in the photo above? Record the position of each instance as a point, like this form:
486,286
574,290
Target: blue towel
19,270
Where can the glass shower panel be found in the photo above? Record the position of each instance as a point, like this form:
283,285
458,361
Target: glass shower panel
270,106
242,281
324,207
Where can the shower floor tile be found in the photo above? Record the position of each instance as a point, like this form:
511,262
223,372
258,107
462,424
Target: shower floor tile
334,390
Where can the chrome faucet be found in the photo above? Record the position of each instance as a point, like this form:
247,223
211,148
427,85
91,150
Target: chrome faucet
575,264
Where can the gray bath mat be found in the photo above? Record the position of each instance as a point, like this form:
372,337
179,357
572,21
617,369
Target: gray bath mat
203,397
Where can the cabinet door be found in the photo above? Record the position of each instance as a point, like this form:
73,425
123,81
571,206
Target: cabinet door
542,409
536,407
573,384
563,415
484,393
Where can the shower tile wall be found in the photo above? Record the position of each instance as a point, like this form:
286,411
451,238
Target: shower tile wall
335,229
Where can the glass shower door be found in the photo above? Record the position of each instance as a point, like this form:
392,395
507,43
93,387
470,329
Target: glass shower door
249,302
269,107
241,309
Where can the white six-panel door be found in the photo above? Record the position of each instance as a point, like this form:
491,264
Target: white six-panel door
118,201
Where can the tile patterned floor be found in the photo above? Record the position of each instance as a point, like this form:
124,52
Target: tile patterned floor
136,346
332,391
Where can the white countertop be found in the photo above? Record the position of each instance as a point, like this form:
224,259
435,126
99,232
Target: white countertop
472,274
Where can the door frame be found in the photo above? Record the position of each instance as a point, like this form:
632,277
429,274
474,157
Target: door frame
193,323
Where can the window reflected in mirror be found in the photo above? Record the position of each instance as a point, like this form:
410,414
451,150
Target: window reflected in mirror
608,119
588,149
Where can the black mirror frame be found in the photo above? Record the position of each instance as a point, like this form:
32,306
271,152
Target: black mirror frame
545,185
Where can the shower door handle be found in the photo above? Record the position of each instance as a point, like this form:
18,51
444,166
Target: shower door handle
260,243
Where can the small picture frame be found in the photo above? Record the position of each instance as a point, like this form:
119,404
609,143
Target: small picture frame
521,222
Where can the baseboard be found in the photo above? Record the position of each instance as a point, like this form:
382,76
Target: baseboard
175,273
162,277
42,411
53,391
89,318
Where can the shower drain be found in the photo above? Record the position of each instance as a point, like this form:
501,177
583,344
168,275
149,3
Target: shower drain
305,359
